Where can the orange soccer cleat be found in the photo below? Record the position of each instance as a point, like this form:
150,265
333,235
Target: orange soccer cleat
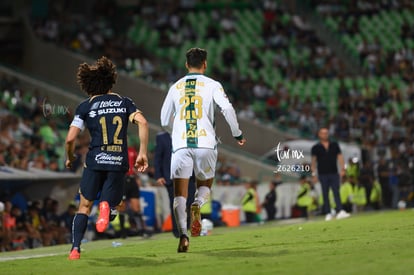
103,219
74,254
195,220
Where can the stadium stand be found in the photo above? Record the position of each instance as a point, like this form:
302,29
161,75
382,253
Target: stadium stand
293,64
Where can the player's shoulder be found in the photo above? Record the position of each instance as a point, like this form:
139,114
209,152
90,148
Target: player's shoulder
179,84
84,105
125,99
209,80
209,84
117,96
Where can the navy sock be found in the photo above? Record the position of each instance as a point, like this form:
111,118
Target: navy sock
80,222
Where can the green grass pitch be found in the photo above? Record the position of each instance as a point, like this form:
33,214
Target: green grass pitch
369,243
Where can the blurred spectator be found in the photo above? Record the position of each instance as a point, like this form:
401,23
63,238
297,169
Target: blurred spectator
376,195
384,181
229,57
255,61
269,202
227,22
366,179
359,197
346,193
304,200
246,112
307,123
50,221
250,202
212,32
272,106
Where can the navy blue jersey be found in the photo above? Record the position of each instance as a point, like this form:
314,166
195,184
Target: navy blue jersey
106,117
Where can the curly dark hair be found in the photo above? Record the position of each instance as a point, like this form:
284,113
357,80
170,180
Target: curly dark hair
98,78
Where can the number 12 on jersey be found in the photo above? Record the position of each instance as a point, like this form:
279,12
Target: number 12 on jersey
117,120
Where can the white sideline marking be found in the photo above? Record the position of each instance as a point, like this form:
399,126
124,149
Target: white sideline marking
12,258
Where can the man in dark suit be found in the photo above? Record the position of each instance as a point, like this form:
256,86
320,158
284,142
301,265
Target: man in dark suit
162,164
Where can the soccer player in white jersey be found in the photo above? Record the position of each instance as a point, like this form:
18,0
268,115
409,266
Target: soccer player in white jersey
188,114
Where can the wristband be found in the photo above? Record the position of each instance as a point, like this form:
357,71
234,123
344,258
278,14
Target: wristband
239,137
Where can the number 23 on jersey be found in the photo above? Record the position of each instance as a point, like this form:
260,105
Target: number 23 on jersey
192,107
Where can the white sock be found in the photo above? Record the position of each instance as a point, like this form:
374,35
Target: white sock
181,214
203,195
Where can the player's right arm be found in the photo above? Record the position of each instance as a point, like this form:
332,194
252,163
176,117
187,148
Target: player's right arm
221,99
167,112
76,126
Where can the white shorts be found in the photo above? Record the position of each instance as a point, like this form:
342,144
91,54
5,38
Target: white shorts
201,160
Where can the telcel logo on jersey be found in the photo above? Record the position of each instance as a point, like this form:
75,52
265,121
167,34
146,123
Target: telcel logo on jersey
110,103
285,156
107,107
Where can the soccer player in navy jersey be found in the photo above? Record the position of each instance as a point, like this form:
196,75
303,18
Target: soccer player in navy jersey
105,114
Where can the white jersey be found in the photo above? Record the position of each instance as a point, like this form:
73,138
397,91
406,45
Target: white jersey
188,112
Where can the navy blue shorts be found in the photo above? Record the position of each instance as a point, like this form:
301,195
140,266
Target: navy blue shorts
109,184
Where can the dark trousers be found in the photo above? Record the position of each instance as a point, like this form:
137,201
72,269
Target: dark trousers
330,181
347,207
386,193
250,217
271,212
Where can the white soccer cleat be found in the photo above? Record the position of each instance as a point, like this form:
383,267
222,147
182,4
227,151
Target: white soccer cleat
342,215
328,217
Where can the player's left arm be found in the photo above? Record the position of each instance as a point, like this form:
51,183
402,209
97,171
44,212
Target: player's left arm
141,163
167,112
221,99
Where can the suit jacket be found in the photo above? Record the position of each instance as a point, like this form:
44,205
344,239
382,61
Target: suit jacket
162,157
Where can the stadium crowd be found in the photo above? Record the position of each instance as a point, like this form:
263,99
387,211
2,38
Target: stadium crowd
353,17
28,137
